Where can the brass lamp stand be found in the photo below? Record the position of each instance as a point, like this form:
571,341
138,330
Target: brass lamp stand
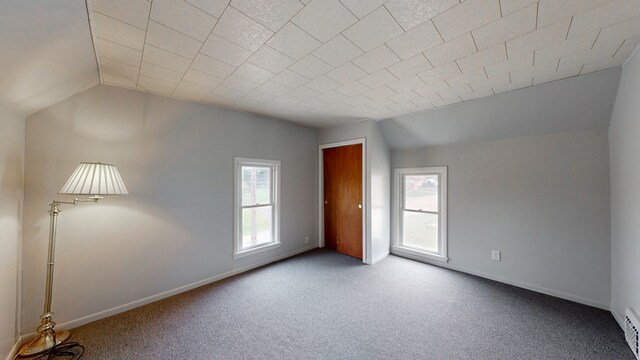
87,179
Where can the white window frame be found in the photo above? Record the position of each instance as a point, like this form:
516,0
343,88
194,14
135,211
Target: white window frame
239,162
397,247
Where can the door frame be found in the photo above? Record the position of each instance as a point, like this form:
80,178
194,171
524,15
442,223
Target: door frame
362,141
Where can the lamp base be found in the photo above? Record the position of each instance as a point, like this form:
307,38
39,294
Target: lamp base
43,342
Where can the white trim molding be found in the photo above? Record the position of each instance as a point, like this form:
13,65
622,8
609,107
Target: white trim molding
398,206
520,284
274,166
163,295
365,242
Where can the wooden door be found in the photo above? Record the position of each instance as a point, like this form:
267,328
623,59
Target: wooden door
343,199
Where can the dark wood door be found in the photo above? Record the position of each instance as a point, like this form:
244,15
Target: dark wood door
343,199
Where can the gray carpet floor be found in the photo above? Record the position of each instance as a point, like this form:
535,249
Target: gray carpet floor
323,305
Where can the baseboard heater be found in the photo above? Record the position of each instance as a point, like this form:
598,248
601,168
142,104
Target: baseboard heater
631,329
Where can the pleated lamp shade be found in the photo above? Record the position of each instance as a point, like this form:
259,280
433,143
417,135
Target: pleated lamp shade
94,179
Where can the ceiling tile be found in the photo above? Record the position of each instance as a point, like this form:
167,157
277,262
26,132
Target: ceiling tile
546,36
380,93
253,73
120,73
259,95
551,11
362,8
378,79
171,61
241,30
556,76
411,66
270,59
200,78
118,52
605,15
375,29
303,80
212,66
273,14
410,13
303,92
155,85
612,37
274,88
212,7
293,42
191,91
183,17
416,40
323,84
311,67
506,28
337,51
510,6
528,73
330,96
376,59
347,73
465,17
451,50
239,84
440,73
119,32
224,50
224,93
132,12
514,63
168,39
406,84
467,78
571,46
352,89
492,55
160,73
290,79
324,19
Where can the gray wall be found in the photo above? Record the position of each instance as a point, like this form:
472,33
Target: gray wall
578,103
176,225
377,185
624,135
542,200
11,197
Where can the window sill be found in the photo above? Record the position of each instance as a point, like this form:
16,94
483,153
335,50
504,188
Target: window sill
255,250
420,255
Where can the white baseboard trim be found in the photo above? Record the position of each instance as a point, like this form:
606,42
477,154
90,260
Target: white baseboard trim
540,289
380,257
148,300
619,319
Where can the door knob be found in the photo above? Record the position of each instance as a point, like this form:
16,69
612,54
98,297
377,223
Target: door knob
359,206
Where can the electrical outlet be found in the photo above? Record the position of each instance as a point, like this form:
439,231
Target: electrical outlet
496,255
306,239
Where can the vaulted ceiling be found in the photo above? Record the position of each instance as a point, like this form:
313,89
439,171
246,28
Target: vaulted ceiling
326,61
315,62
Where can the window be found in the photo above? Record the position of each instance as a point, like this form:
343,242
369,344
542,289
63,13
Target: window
420,213
257,205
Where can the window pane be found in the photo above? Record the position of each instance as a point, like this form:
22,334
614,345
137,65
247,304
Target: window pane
421,192
256,185
420,230
257,226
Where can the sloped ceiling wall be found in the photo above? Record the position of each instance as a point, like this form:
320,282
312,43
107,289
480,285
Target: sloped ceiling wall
46,53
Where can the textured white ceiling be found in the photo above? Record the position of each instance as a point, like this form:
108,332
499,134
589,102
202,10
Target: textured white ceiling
322,62
46,53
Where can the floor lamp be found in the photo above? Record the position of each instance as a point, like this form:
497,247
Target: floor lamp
95,180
